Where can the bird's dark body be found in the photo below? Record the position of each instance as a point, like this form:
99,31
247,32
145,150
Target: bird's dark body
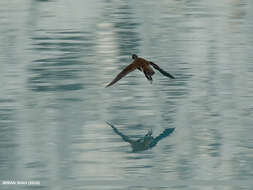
144,66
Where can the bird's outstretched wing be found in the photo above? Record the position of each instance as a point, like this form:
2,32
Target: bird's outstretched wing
164,134
161,71
123,73
124,137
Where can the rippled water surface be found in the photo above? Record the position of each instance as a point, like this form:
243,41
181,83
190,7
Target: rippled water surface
56,58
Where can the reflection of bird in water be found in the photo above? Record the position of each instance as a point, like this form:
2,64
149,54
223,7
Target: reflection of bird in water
143,143
144,66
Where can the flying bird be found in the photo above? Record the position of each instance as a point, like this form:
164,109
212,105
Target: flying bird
145,142
142,65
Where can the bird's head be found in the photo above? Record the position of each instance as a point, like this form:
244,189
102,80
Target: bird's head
134,56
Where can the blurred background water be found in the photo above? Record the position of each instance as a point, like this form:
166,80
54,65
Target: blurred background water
56,58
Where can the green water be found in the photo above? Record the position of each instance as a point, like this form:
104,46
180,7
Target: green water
56,57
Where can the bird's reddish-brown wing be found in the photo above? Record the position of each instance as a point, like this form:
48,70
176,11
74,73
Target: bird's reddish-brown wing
123,73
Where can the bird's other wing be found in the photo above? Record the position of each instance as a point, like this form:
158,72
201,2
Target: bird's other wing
124,137
164,134
161,70
123,73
